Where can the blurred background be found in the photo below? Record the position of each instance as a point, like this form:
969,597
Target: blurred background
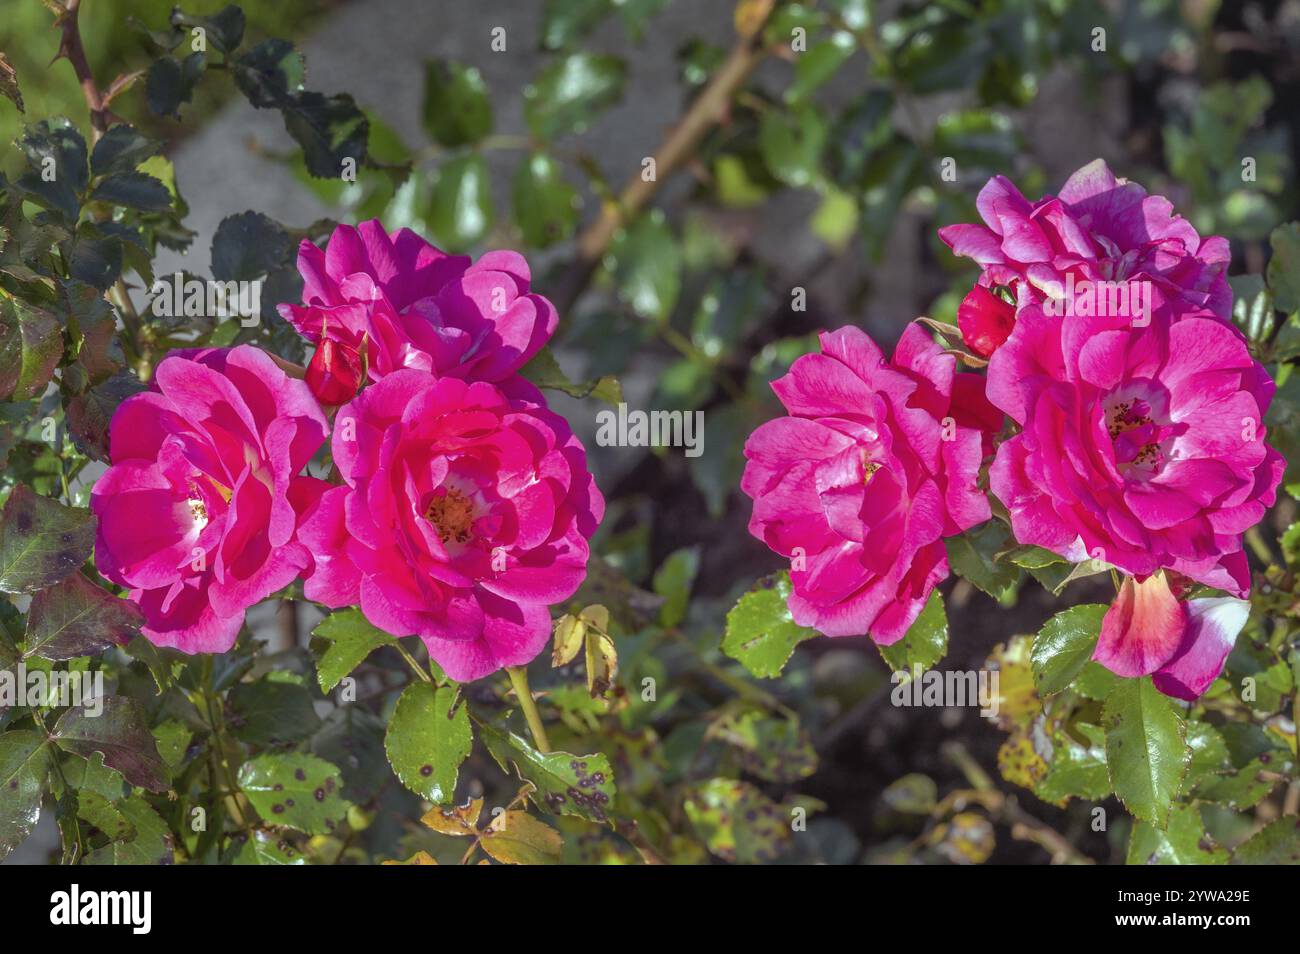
813,170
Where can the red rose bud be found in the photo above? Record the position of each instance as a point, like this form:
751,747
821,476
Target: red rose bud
335,373
985,320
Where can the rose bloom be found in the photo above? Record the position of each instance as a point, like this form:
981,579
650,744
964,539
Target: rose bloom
1097,229
1181,645
1141,445
465,515
402,303
195,513
876,463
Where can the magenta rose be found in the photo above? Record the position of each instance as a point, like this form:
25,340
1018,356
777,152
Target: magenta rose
875,465
1097,229
1141,445
195,516
402,303
465,515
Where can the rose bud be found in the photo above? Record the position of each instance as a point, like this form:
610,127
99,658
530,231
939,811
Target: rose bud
335,373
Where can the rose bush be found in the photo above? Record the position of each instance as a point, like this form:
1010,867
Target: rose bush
303,539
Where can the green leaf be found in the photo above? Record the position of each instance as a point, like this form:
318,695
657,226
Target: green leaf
1077,771
673,582
269,73
973,556
646,260
23,764
925,641
1146,748
1277,843
269,713
58,166
1184,842
41,541
353,739
1284,266
224,29
151,845
1065,645
564,21
294,791
457,110
545,372
570,92
121,149
546,207
352,638
120,732
761,634
737,822
567,784
791,143
247,246
818,64
914,794
96,260
135,190
460,205
428,737
329,129
77,618
170,83
775,748
90,413
265,848
31,345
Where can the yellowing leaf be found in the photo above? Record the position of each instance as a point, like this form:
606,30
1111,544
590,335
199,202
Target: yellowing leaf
517,838
458,820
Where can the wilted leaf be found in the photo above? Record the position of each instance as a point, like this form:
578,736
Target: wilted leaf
517,838
458,820
77,618
120,733
41,541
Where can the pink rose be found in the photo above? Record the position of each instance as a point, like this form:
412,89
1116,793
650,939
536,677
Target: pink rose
1141,445
195,517
465,516
1148,631
1098,228
876,463
405,304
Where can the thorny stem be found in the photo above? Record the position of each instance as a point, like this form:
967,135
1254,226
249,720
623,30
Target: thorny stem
218,749
519,682
707,110
70,46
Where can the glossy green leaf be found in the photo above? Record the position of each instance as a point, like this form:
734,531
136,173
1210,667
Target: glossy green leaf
457,110
1184,842
646,260
1065,645
973,555
351,638
1277,843
545,206
121,149
428,737
570,92
761,634
925,641
1146,749
136,190
460,204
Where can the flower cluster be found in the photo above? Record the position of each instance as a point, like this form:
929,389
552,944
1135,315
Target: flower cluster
460,506
1137,436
